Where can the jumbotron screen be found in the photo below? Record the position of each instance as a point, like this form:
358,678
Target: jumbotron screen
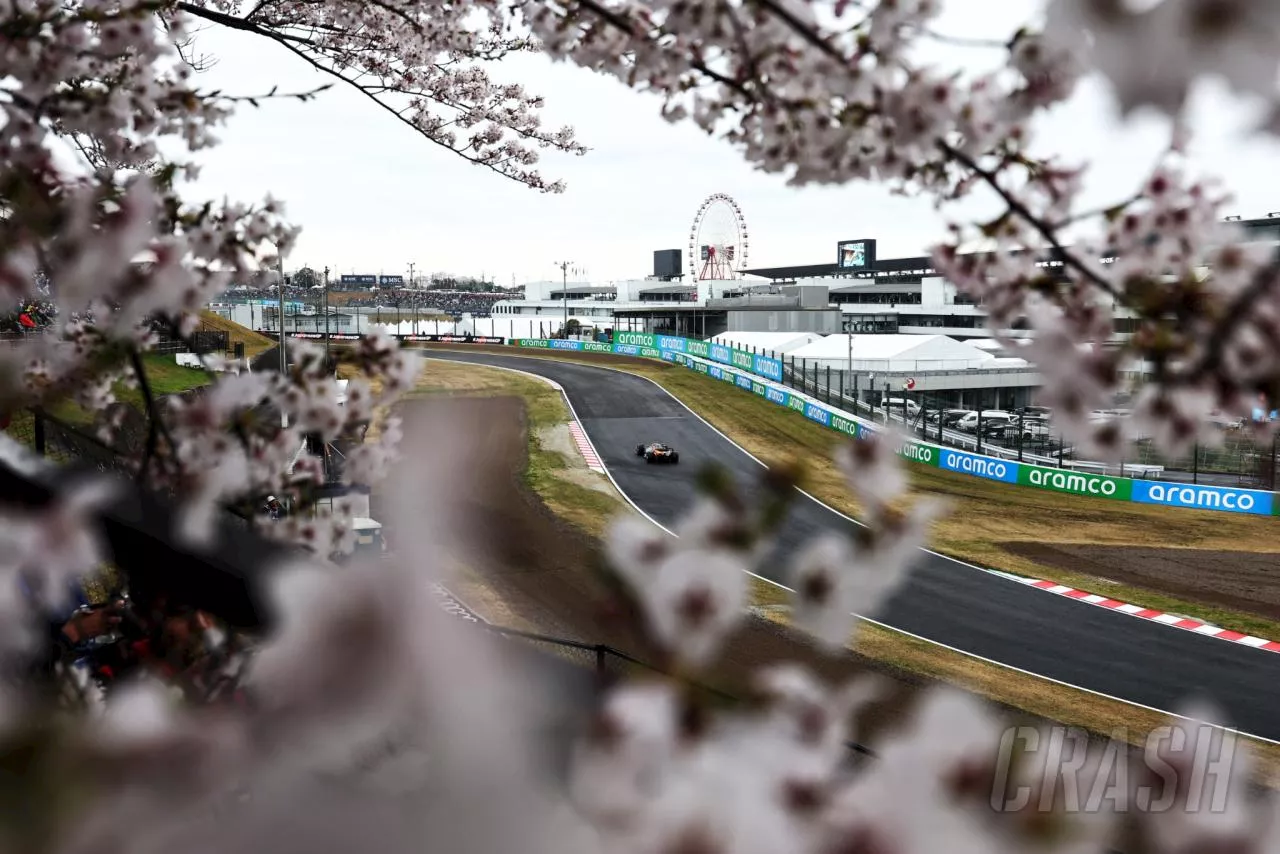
855,254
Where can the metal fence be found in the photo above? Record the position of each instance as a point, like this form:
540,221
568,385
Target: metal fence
1236,461
610,665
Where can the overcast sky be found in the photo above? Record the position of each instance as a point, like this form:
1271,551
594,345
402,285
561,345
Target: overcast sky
372,196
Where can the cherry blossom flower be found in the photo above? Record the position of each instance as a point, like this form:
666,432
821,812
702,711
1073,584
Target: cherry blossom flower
1233,39
694,600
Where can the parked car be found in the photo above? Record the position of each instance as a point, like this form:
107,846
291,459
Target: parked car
969,423
896,404
1034,428
951,416
998,428
1042,413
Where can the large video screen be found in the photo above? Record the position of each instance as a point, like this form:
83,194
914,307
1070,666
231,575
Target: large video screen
856,254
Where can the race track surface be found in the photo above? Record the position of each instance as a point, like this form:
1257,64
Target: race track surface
943,600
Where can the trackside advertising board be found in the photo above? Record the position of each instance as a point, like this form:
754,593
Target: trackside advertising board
751,372
652,346
1251,501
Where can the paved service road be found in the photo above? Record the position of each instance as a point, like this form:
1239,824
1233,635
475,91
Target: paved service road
944,601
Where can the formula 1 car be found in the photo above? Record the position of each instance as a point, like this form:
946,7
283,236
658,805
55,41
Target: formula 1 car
656,452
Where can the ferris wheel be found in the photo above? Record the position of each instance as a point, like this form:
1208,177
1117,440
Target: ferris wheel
718,239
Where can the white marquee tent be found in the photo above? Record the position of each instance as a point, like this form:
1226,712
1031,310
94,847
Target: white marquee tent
775,342
894,353
520,327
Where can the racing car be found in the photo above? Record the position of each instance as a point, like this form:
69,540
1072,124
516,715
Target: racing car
656,452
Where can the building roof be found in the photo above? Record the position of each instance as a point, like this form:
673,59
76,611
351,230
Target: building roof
776,342
670,289
583,289
1261,229
896,352
889,347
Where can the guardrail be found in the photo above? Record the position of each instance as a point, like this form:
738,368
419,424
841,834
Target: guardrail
763,376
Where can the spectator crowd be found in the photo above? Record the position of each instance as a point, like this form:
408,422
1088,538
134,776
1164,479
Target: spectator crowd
28,317
454,303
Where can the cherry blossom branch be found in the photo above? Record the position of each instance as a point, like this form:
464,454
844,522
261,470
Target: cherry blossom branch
963,41
1241,308
1044,229
275,92
506,129
154,418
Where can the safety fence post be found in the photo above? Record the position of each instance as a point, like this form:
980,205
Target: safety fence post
38,436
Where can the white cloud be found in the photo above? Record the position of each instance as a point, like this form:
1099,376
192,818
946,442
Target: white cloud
372,196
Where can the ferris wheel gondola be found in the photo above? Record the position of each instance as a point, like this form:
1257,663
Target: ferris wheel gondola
718,239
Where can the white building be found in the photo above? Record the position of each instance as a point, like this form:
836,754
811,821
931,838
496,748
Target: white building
767,342
597,303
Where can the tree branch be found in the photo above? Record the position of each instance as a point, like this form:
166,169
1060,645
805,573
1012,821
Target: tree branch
287,41
154,423
1016,206
1238,311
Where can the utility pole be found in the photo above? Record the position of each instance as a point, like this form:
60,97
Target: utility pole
326,315
564,292
284,360
415,307
848,337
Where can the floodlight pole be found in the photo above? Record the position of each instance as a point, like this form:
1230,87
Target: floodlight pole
564,292
326,315
848,337
412,264
284,360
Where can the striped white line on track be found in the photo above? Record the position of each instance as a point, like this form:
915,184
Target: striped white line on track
588,453
1176,621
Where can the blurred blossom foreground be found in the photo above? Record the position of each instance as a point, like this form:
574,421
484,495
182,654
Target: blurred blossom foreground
370,719
185,672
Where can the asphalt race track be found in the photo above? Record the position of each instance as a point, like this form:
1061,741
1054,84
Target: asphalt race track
944,601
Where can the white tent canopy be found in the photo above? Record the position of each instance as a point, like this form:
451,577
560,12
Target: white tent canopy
520,327
893,353
775,342
419,327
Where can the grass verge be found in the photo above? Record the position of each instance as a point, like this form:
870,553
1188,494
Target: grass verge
255,343
164,375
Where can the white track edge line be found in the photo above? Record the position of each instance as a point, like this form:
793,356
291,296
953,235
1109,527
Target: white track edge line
902,632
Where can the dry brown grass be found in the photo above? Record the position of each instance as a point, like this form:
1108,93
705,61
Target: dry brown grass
557,478
254,342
